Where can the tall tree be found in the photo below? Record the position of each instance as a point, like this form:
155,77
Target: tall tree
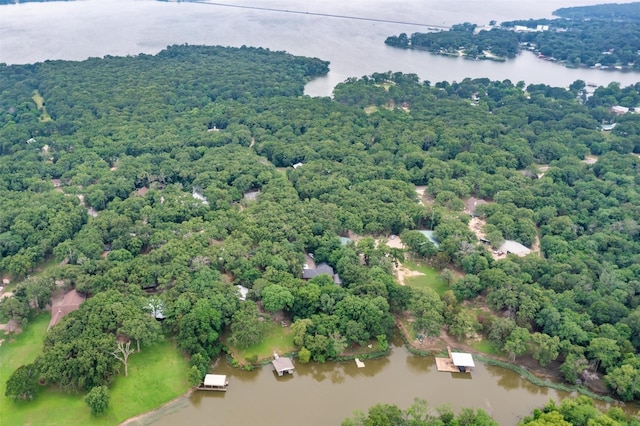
122,352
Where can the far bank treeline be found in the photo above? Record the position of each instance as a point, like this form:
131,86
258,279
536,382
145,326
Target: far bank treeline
163,149
606,36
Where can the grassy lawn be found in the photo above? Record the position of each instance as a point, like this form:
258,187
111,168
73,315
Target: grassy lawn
431,278
486,347
39,100
276,339
156,375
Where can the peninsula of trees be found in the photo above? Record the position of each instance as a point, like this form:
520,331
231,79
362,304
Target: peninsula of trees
162,181
603,36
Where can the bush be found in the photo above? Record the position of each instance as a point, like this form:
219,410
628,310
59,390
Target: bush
23,383
195,376
304,355
98,400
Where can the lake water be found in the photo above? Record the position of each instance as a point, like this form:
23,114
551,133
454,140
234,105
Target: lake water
317,394
326,394
34,32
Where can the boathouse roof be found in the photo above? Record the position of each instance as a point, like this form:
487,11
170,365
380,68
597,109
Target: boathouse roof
283,364
462,359
216,380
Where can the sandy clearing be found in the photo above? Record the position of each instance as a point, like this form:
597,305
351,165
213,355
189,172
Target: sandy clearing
403,272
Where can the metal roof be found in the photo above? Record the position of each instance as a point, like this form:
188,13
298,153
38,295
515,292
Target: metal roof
218,380
514,247
283,364
462,359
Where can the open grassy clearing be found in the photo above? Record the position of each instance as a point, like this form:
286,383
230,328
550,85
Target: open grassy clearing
39,100
156,375
487,347
276,339
430,279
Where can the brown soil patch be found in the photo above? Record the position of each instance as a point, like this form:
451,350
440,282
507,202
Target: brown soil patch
471,203
394,242
402,273
475,225
535,247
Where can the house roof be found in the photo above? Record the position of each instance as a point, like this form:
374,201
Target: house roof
323,268
251,195
510,246
431,237
243,291
215,380
283,364
344,241
69,303
462,359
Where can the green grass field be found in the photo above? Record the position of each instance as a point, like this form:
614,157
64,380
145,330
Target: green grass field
276,339
486,347
39,100
156,375
431,278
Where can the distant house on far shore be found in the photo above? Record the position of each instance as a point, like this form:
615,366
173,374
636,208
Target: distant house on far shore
619,110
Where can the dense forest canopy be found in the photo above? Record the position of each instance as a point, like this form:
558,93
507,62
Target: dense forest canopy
604,36
571,411
143,166
616,11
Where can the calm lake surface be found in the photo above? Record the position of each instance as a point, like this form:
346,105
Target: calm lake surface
34,32
326,394
317,394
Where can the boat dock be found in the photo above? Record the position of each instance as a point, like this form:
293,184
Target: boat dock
214,382
458,362
282,365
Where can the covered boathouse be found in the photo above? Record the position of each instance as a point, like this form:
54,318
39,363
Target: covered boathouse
282,365
458,362
214,382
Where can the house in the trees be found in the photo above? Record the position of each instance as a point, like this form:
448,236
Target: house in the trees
69,303
514,247
323,268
